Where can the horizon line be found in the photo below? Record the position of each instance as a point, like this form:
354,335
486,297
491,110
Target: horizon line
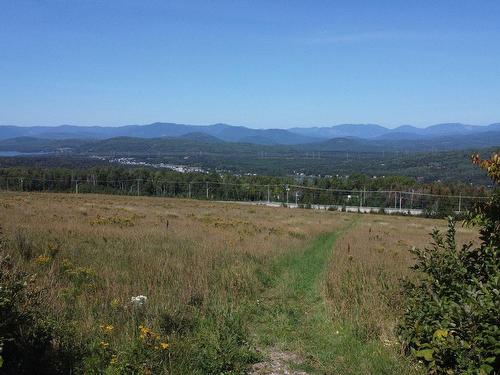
255,128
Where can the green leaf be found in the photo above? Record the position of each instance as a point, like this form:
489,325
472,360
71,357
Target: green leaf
425,354
440,333
485,369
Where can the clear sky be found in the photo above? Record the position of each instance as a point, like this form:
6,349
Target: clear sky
256,63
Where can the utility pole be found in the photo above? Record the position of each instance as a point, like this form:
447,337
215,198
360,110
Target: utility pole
400,198
460,203
287,189
207,190
76,186
138,187
395,200
411,199
268,195
297,198
189,190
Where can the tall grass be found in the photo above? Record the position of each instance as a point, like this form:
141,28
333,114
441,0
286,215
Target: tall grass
363,285
195,262
204,267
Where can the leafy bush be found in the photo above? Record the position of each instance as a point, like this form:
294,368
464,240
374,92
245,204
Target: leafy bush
452,321
30,340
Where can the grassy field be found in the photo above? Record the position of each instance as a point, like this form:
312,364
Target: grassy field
227,285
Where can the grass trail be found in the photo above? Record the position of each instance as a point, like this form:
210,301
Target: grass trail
292,316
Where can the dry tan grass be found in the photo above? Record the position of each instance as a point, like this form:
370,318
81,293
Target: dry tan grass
363,283
181,253
173,251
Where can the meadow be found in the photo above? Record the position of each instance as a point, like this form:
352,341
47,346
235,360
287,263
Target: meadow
229,288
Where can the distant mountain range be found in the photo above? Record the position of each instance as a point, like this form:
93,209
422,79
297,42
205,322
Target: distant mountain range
223,132
372,131
243,134
167,136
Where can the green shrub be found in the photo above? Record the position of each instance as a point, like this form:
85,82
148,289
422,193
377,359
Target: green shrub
452,319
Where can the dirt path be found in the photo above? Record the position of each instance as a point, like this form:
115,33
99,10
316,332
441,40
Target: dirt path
278,362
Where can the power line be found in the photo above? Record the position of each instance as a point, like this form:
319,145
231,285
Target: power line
23,182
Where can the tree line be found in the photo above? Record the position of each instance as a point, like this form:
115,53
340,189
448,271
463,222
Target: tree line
357,189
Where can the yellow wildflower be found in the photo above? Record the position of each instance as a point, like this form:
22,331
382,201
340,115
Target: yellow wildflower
114,360
104,344
108,328
146,333
164,345
42,259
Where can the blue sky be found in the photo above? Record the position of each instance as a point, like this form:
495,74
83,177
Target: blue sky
254,63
